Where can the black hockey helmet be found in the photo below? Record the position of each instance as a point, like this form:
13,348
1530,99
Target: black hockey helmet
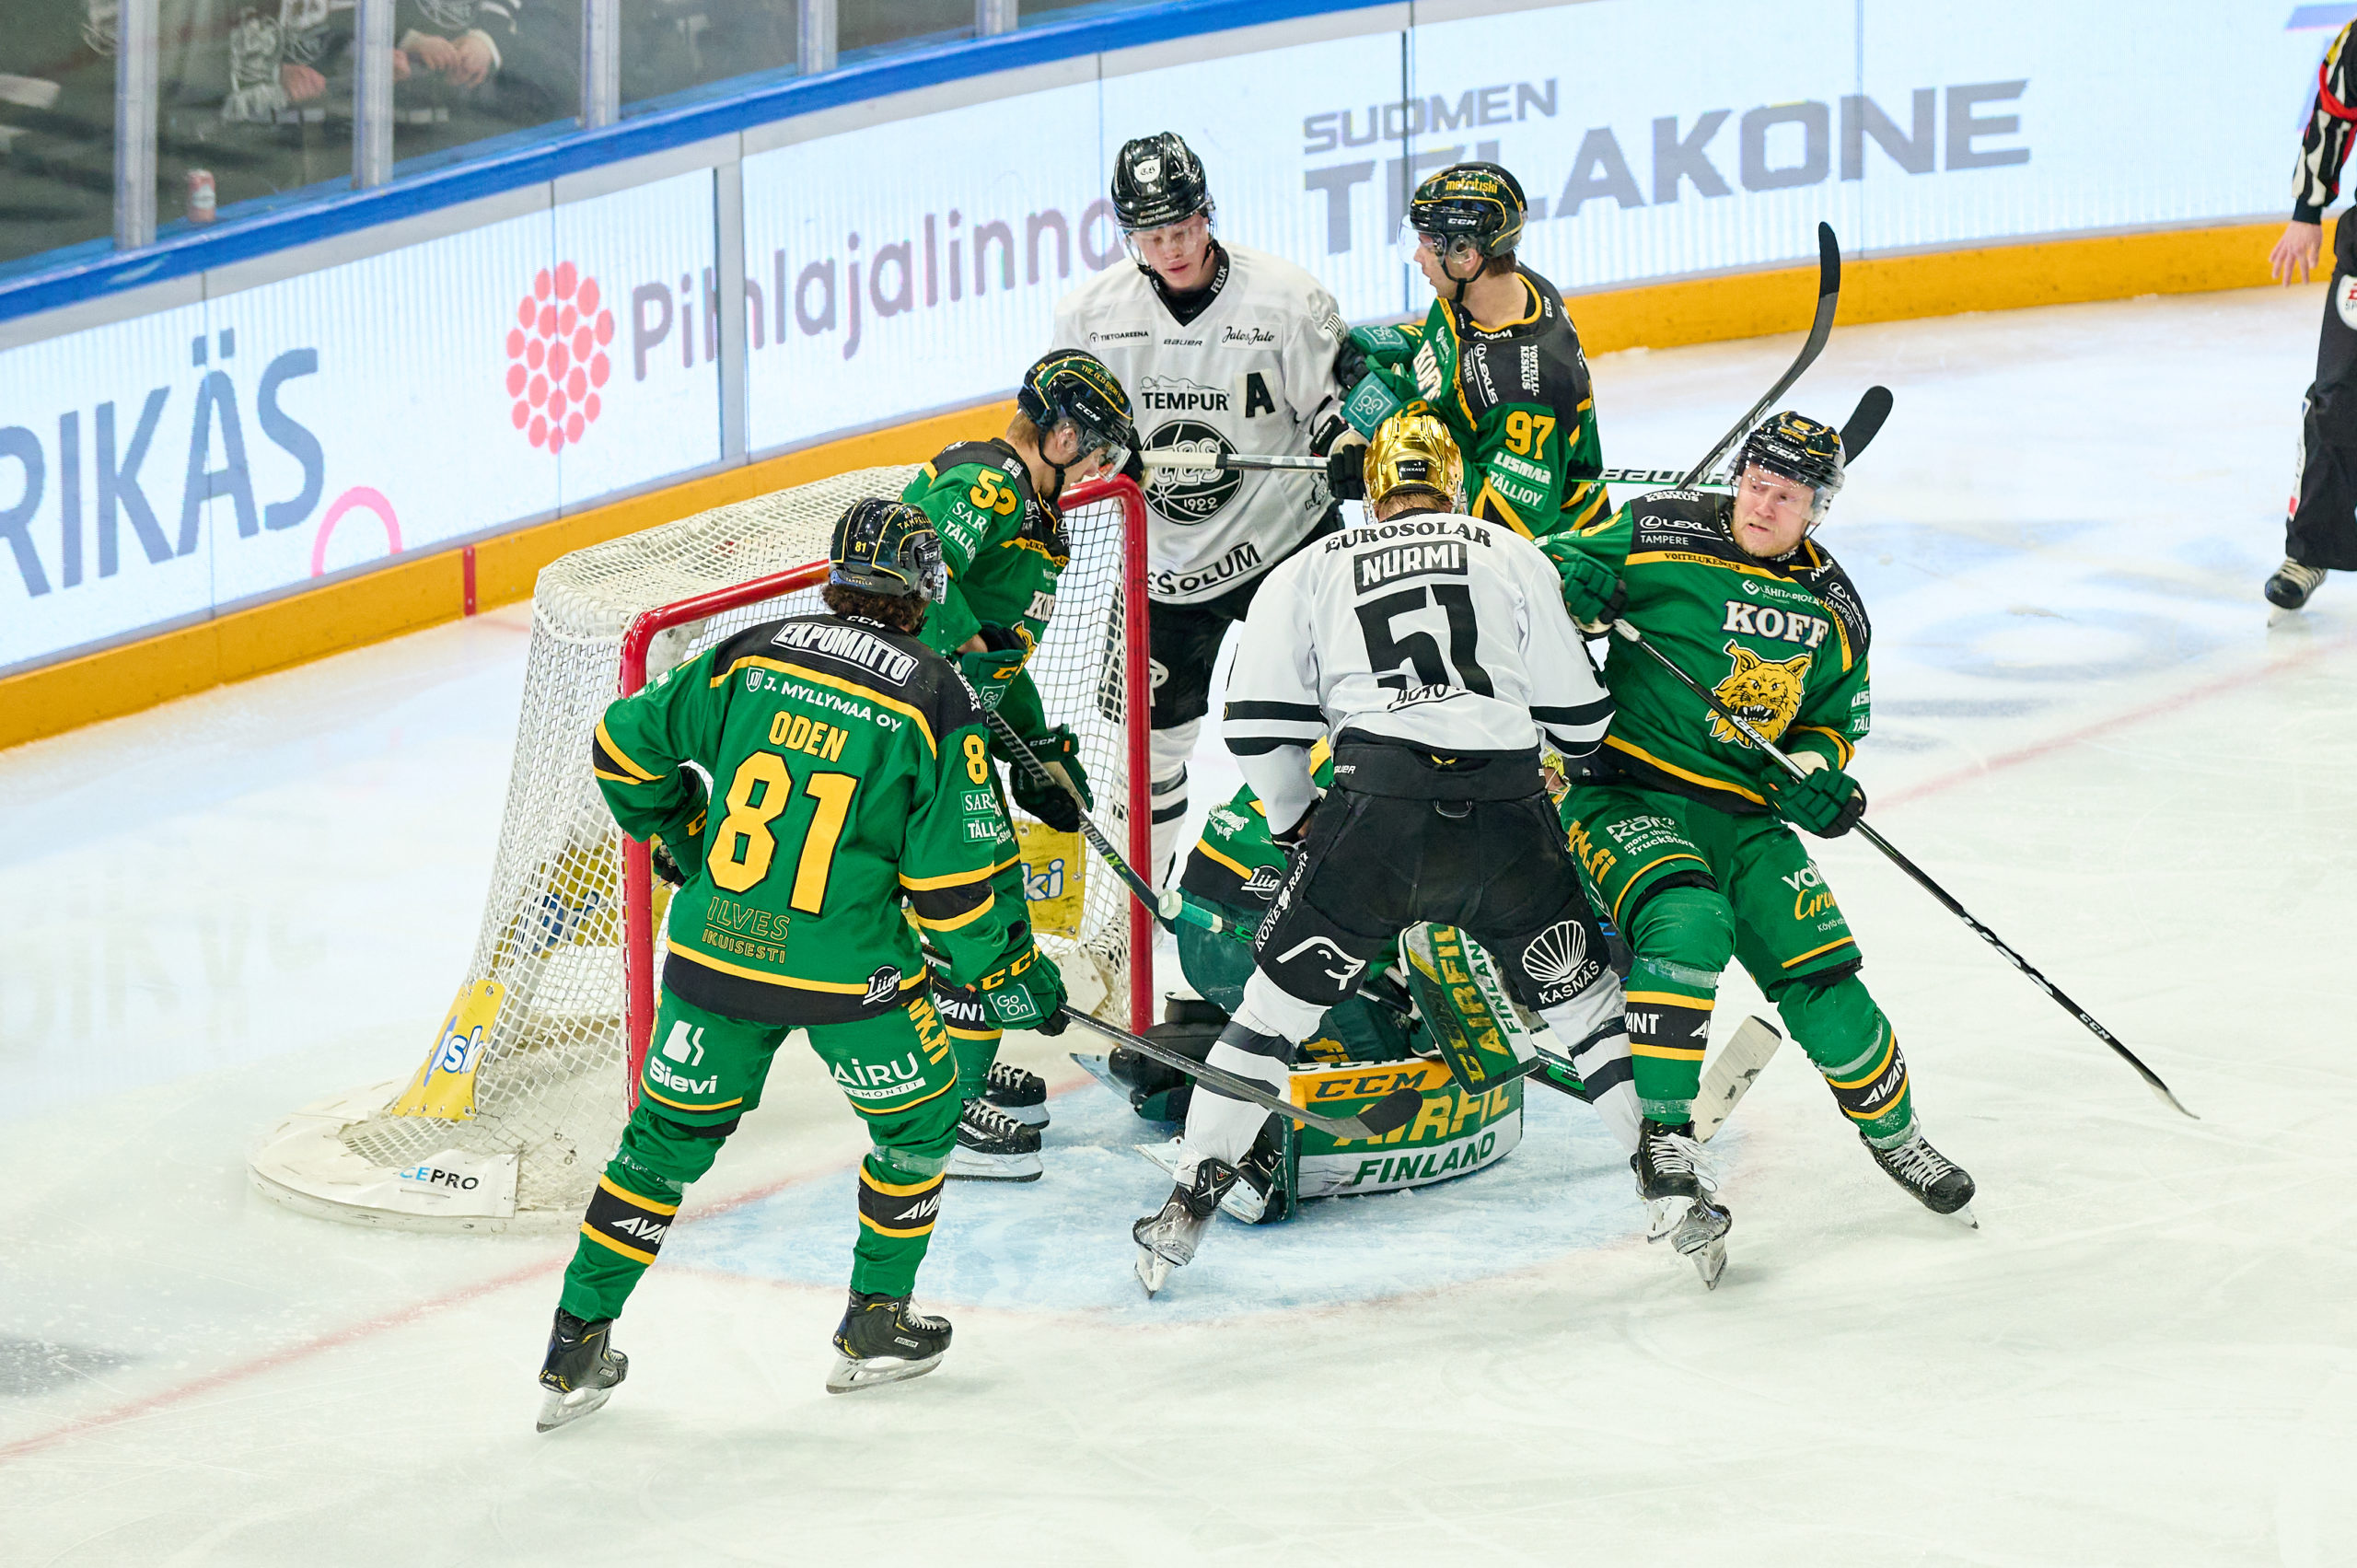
887,548
1157,180
1479,203
1794,447
1071,384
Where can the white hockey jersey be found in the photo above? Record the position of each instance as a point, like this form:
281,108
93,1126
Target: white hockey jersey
1433,628
1247,373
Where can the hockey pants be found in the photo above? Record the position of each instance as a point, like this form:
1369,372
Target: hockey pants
2322,530
1375,864
1692,888
704,1072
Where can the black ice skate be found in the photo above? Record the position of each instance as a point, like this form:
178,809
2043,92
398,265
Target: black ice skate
2292,585
1929,1177
881,1340
1676,1185
580,1371
992,1146
1021,1094
1166,1240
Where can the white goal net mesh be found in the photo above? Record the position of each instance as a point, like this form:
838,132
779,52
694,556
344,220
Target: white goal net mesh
549,1092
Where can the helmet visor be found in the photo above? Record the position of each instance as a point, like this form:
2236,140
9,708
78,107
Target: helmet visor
927,567
1109,451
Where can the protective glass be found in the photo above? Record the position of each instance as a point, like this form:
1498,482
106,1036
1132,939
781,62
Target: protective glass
932,572
1111,453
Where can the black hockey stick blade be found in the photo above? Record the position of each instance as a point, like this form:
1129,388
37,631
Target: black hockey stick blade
1828,295
1388,1114
1865,422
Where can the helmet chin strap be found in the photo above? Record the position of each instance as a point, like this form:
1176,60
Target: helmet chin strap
1459,297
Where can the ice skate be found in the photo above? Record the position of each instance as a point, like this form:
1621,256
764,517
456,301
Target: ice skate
1929,1177
1019,1092
1675,1184
2292,585
580,1371
882,1340
992,1146
1166,1240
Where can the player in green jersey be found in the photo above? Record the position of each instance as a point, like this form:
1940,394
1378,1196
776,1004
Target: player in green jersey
1496,357
1683,838
997,506
856,774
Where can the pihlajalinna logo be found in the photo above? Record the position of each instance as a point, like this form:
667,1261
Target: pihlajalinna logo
556,357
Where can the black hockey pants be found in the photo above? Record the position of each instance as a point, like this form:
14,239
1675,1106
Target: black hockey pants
2322,531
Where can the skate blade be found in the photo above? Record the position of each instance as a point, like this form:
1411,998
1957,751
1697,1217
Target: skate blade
1709,1261
849,1377
1964,1216
1014,1167
1030,1115
1154,1271
562,1410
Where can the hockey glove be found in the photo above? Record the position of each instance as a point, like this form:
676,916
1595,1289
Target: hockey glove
1350,361
991,669
676,849
1134,469
1346,469
1825,801
1049,802
1369,404
1026,990
1593,592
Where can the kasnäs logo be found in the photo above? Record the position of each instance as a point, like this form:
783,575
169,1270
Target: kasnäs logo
556,357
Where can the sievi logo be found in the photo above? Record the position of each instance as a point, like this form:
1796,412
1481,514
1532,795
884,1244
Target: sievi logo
556,354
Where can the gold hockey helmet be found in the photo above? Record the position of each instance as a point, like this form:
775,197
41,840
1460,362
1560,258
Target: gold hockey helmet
1413,451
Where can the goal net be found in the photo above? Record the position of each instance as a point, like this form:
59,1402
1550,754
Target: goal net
528,1077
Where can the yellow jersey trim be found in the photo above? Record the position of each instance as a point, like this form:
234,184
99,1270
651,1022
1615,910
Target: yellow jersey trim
627,1196
1204,846
1644,755
602,1240
954,879
639,774
849,687
1813,952
956,920
683,1104
834,987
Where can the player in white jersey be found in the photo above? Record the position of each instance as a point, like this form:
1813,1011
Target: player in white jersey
1222,348
1435,650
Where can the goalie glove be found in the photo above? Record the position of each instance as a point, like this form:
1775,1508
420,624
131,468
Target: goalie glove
1346,467
1824,801
1047,801
1026,989
992,667
1593,592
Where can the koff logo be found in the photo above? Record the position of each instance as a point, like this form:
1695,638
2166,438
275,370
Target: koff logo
556,357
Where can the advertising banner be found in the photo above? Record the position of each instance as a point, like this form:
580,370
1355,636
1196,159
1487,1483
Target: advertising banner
160,469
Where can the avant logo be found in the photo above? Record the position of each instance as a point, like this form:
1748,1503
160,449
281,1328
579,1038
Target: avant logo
556,357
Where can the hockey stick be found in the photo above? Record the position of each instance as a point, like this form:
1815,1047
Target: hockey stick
1828,295
1751,732
1169,906
1387,1115
1238,462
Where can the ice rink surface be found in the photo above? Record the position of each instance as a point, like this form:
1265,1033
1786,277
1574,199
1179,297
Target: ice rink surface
2088,724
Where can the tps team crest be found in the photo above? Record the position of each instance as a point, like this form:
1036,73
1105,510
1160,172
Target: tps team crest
1766,692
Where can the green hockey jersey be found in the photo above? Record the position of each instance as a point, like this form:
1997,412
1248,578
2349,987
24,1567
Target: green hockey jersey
850,770
1005,549
1782,642
1517,397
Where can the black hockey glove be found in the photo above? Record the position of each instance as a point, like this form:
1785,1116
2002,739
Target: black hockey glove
676,849
1350,363
1047,801
1827,801
1346,470
1134,469
1293,838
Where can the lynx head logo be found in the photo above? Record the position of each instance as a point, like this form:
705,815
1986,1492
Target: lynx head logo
1766,692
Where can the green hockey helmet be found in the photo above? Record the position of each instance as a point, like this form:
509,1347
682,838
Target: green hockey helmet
1805,451
1073,386
887,548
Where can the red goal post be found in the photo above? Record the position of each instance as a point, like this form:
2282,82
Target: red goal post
638,876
